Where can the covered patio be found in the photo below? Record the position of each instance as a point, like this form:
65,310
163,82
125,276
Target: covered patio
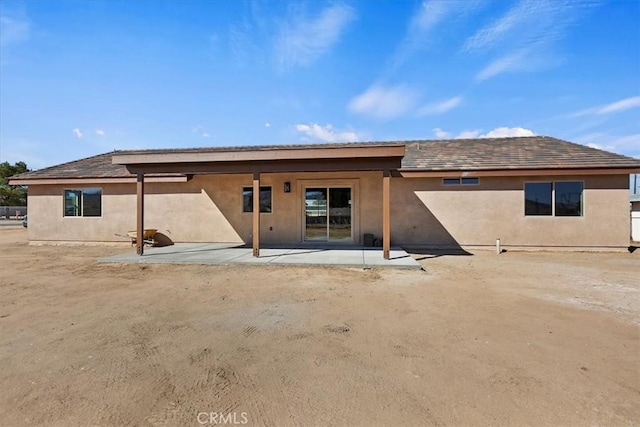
258,161
226,254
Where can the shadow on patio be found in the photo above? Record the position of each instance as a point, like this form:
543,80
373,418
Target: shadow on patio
232,253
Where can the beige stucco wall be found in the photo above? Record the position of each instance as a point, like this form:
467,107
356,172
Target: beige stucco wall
207,208
425,212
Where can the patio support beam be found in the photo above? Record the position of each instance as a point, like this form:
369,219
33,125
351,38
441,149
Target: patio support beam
256,214
386,213
140,213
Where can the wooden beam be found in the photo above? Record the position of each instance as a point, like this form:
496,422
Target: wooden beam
337,165
386,214
140,214
256,214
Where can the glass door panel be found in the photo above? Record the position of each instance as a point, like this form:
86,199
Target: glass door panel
327,214
315,206
339,214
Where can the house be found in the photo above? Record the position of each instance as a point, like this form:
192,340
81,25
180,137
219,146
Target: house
530,192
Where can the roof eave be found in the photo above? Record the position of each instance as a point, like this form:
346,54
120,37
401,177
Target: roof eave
95,180
427,173
311,153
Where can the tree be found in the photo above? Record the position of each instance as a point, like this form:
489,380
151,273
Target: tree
11,195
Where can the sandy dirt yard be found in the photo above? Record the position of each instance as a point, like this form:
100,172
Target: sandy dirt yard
515,339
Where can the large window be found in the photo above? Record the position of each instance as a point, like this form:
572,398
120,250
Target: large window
537,198
560,198
265,199
568,198
83,202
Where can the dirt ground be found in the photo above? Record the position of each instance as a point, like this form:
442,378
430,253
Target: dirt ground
515,339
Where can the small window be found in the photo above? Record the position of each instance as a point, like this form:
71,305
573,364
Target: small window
537,198
458,181
265,199
568,198
470,181
84,202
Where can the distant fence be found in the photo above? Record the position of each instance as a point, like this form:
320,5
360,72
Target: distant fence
12,212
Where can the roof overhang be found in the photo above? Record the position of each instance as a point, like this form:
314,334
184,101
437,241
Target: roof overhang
299,159
298,153
95,181
409,173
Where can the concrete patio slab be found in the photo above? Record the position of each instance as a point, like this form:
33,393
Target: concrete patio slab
224,254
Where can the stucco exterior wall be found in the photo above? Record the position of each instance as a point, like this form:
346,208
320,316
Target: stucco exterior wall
427,213
207,208
424,212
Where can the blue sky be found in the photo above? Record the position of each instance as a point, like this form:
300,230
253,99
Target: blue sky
78,78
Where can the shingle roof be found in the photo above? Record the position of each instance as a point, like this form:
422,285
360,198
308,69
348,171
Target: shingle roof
536,152
532,152
99,166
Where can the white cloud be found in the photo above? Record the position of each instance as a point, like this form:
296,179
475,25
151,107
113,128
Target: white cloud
468,134
383,102
629,140
601,147
513,61
614,107
429,14
441,134
513,20
628,145
240,42
13,30
504,132
426,18
500,132
100,132
441,107
302,40
326,133
267,125
524,35
77,133
529,22
621,105
199,129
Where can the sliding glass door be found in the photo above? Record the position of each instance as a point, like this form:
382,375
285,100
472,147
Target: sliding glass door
328,214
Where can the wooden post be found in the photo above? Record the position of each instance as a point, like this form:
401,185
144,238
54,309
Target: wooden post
140,214
256,214
386,213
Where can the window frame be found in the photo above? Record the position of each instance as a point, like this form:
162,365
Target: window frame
553,199
262,188
582,205
83,205
460,181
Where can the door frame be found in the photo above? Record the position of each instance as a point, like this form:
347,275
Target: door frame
353,184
